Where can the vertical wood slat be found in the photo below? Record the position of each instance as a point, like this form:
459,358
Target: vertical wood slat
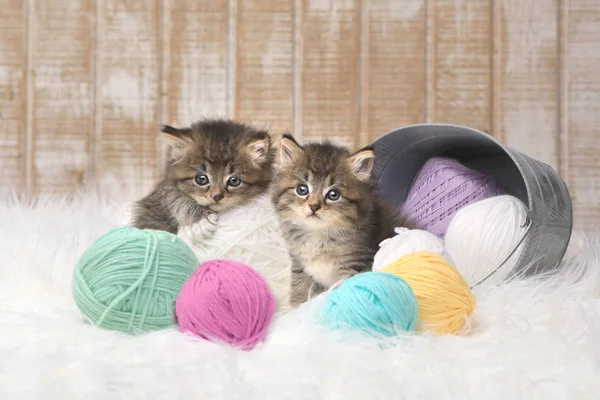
62,114
13,62
264,63
196,78
297,72
459,62
231,57
527,68
583,108
330,32
128,58
392,66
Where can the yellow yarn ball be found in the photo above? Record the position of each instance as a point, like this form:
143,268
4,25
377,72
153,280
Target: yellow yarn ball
445,299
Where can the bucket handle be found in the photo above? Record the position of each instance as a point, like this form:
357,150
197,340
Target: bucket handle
527,223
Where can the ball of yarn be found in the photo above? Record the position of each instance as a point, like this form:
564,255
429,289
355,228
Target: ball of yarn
482,234
250,234
442,187
445,300
405,242
129,278
373,303
226,301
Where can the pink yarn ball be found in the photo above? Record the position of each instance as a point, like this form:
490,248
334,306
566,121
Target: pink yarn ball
226,301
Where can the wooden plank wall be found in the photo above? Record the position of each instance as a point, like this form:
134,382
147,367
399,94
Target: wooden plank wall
84,84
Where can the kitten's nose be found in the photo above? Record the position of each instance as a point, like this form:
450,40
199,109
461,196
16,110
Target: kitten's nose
315,207
217,197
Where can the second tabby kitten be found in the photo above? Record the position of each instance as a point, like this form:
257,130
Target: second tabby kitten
330,213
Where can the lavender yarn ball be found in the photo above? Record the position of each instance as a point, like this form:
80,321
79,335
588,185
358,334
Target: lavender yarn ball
442,187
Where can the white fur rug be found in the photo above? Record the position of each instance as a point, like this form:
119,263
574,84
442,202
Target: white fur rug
531,339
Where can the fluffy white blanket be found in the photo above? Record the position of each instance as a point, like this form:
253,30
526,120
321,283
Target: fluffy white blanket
531,339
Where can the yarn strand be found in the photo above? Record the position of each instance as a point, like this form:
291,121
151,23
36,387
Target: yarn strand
132,288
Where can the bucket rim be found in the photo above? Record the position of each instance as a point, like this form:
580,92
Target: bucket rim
474,131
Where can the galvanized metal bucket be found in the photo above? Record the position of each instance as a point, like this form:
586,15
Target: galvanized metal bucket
401,153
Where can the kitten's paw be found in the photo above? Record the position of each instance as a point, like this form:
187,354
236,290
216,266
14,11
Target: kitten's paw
185,233
200,231
206,227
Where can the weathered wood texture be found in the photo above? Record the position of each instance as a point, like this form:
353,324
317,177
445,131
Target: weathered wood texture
85,85
459,48
264,63
127,73
61,94
581,77
329,69
13,94
194,60
392,64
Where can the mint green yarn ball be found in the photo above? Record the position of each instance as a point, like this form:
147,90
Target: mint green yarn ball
374,304
129,279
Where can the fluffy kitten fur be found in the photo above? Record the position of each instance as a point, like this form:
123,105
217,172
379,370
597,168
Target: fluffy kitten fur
330,213
211,166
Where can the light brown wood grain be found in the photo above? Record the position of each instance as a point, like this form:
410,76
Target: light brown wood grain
264,63
331,36
526,70
582,78
128,63
13,64
195,60
392,66
459,62
85,85
297,74
62,113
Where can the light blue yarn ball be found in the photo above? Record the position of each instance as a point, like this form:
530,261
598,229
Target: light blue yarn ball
373,303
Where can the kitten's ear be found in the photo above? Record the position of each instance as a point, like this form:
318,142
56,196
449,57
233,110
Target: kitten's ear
289,149
259,147
174,135
179,140
362,163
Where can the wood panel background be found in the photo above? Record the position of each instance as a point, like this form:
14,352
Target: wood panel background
85,84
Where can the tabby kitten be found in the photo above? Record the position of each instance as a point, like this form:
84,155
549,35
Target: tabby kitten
330,213
211,166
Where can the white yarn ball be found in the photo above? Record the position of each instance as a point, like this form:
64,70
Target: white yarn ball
250,234
482,234
405,242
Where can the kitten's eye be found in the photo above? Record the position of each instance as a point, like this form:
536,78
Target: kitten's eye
234,181
302,190
333,195
201,180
